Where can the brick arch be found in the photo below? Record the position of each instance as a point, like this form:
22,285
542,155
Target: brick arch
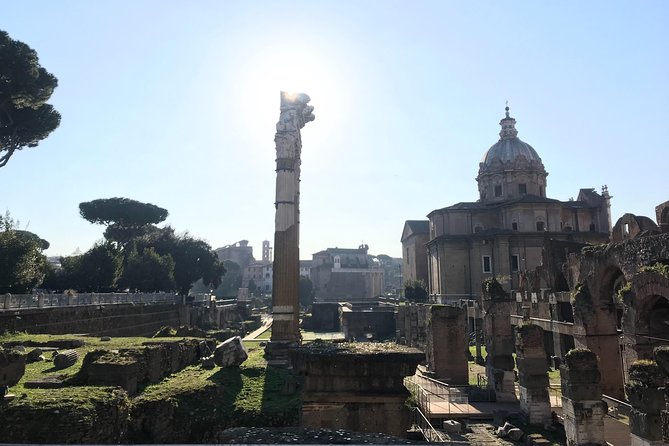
646,309
596,321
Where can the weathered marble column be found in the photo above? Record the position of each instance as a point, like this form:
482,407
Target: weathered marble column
645,392
295,113
582,406
533,374
446,343
499,348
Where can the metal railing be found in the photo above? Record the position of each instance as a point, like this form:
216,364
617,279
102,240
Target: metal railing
617,408
42,300
429,392
428,431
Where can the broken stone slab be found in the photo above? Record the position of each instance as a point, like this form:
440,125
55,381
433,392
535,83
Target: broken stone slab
12,367
230,353
34,355
48,382
515,434
452,427
503,431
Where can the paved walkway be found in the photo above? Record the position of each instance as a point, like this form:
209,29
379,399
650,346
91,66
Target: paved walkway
266,325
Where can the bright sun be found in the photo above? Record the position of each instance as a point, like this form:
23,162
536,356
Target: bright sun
302,69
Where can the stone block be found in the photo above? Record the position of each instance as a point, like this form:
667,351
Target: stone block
581,392
503,362
534,366
645,425
12,367
645,399
123,374
452,427
533,381
230,353
580,376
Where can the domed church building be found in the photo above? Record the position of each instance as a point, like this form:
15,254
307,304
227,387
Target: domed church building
503,233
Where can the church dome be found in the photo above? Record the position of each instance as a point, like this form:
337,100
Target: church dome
507,150
510,168
509,147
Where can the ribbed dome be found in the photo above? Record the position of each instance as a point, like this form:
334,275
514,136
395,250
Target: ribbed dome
508,149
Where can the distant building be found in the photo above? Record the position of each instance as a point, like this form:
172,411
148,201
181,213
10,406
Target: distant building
503,233
261,273
305,268
240,253
340,274
266,251
415,236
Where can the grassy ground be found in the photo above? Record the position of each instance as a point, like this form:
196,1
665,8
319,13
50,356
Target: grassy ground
252,390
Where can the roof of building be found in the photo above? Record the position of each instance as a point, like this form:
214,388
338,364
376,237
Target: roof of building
509,147
527,198
418,226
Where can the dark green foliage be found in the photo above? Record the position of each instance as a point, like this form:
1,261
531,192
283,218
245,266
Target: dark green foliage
149,272
415,291
22,264
493,289
193,258
658,268
122,212
25,117
231,281
306,291
97,270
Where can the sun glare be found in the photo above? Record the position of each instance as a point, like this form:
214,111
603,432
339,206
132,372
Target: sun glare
299,69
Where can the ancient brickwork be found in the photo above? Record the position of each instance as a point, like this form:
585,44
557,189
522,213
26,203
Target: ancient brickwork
111,320
662,359
446,344
411,325
582,407
359,387
499,347
645,392
533,374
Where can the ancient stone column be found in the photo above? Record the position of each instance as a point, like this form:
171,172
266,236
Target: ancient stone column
582,406
645,392
499,347
446,344
533,374
295,113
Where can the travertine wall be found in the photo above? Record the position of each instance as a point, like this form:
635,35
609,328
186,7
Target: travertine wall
112,320
582,406
446,344
358,387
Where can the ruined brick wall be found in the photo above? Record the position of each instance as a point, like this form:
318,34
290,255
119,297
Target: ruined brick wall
411,328
111,320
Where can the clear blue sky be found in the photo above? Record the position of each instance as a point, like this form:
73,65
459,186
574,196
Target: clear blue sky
175,103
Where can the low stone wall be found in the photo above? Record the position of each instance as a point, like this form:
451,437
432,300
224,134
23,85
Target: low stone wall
365,325
356,386
129,367
111,320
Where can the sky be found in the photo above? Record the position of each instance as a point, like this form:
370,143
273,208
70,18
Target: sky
175,103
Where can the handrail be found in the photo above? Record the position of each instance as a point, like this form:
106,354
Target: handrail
431,429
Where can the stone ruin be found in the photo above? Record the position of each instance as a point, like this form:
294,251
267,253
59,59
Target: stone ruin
356,386
533,375
295,113
447,344
582,406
